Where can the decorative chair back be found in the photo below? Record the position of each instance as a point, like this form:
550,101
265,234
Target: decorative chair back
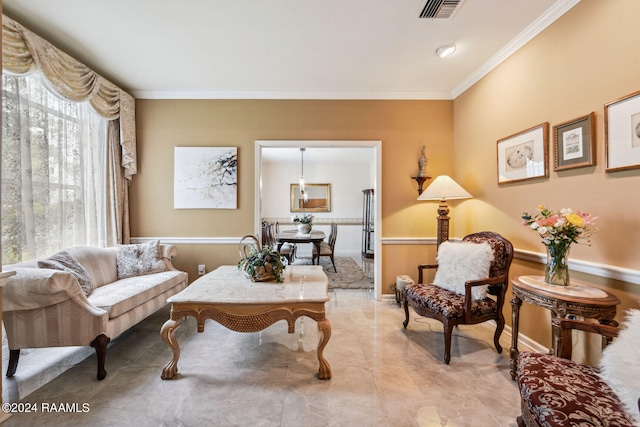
332,235
502,252
265,232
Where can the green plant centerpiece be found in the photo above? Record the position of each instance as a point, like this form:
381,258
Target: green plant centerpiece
306,218
304,222
261,264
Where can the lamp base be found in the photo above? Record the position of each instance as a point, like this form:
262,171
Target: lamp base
443,223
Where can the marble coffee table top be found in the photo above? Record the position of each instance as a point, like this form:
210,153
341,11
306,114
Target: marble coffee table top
227,284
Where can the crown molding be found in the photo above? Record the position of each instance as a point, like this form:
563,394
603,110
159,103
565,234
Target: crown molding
536,27
293,95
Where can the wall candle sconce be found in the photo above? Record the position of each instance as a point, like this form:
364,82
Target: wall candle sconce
422,173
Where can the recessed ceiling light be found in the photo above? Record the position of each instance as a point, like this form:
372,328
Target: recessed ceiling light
444,51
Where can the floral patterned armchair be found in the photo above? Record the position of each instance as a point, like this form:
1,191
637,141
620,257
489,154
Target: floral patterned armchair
454,308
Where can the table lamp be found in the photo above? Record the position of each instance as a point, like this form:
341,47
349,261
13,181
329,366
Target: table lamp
444,188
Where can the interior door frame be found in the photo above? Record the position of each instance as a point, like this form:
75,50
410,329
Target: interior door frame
375,145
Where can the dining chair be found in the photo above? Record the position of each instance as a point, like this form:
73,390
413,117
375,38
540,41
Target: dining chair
327,248
288,250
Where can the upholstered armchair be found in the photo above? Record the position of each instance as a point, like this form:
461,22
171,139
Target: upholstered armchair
469,287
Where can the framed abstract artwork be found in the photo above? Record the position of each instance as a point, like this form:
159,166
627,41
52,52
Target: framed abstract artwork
524,155
573,143
622,133
205,178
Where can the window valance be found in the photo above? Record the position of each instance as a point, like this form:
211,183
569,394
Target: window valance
24,52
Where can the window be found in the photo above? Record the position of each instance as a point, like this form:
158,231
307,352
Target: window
53,171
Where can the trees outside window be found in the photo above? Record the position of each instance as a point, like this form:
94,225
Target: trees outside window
53,171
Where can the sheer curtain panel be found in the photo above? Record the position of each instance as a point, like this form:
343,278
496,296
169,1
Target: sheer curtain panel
23,54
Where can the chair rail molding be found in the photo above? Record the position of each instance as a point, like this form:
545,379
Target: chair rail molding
594,268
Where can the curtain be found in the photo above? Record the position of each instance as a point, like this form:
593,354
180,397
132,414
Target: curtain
23,53
54,172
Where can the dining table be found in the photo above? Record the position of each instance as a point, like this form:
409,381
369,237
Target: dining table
294,237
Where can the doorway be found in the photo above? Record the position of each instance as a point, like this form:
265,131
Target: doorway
376,171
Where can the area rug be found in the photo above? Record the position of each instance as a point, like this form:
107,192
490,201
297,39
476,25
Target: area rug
349,275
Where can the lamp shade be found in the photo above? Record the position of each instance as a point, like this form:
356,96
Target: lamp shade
444,188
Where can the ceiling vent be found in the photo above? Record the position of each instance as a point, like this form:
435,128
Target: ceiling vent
441,9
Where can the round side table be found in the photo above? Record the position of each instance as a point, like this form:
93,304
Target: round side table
579,299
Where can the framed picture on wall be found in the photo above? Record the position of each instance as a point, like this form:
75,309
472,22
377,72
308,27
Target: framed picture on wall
205,178
622,133
524,155
573,143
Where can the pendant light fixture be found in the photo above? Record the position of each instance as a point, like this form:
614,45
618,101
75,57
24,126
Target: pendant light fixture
302,189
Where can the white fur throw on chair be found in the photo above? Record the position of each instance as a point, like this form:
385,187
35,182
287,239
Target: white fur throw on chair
620,364
462,261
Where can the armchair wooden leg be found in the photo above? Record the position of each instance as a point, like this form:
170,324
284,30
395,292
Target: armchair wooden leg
100,344
496,336
14,355
406,309
448,330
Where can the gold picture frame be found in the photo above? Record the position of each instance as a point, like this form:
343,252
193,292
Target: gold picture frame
524,156
318,198
622,133
574,145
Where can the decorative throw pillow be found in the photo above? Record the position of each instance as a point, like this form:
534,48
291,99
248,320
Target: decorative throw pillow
620,364
65,262
138,260
462,261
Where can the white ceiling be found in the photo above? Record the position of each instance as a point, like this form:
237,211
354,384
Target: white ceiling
286,49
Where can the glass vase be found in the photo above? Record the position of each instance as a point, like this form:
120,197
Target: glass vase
557,269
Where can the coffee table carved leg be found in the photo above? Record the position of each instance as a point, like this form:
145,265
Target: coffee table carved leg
324,328
168,333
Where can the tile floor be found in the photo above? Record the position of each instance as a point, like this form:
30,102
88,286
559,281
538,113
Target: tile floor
383,375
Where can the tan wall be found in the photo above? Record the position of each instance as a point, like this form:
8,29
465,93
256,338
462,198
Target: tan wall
584,60
402,126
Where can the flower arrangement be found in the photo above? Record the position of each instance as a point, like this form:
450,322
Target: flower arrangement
562,227
307,218
558,231
263,264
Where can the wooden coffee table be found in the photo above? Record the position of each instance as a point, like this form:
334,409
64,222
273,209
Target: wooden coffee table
227,296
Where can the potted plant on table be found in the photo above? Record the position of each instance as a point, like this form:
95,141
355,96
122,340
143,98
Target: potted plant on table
260,264
304,223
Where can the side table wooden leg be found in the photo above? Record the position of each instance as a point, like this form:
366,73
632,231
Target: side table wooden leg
324,328
168,333
516,303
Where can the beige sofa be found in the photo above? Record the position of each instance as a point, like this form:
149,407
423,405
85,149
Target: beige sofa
46,307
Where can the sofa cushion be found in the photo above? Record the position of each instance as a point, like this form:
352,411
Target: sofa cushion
460,262
560,392
99,262
123,295
140,259
620,364
65,262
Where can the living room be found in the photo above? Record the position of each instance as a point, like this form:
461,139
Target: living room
576,65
